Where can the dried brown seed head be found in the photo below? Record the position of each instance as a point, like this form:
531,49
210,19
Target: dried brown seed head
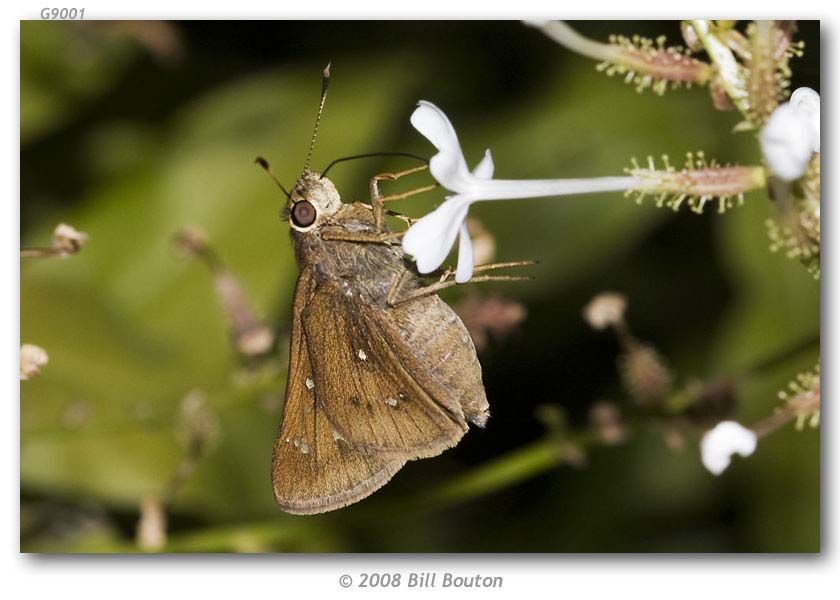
645,375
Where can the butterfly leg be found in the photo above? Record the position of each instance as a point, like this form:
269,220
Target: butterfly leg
397,297
392,213
449,271
503,265
378,201
404,218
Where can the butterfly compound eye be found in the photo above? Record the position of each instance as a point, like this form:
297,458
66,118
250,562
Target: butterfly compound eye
303,214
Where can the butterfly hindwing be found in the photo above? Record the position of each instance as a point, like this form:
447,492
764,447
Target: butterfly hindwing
427,332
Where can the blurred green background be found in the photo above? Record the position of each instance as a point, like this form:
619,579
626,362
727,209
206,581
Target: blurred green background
132,131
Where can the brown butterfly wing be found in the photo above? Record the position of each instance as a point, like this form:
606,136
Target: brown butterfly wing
429,332
374,392
313,469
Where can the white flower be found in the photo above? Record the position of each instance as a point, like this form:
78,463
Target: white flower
719,444
431,238
792,134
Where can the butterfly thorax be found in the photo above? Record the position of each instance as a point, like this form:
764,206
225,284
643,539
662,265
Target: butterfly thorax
367,270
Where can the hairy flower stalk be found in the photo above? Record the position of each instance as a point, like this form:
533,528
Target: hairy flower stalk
696,184
251,336
752,69
790,142
645,63
796,232
768,76
801,404
802,399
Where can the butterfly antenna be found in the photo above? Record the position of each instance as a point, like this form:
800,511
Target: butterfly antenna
264,164
370,155
325,82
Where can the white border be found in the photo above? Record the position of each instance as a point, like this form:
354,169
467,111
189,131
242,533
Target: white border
282,577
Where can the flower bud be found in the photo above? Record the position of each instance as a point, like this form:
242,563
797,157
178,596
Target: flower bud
645,375
32,358
606,420
68,239
605,310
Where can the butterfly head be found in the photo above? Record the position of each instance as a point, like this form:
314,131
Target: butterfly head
311,200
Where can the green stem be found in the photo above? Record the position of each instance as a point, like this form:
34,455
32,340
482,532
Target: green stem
498,473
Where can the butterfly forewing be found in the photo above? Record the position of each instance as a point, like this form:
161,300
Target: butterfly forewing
315,470
374,396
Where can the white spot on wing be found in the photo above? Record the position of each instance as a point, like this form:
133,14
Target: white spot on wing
362,354
309,383
391,402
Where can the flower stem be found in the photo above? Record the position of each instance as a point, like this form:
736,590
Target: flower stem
728,69
509,189
498,474
571,39
43,252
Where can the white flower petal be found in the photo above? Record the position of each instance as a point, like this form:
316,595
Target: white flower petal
786,143
448,166
792,134
538,23
485,168
466,258
430,239
433,123
719,444
807,102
